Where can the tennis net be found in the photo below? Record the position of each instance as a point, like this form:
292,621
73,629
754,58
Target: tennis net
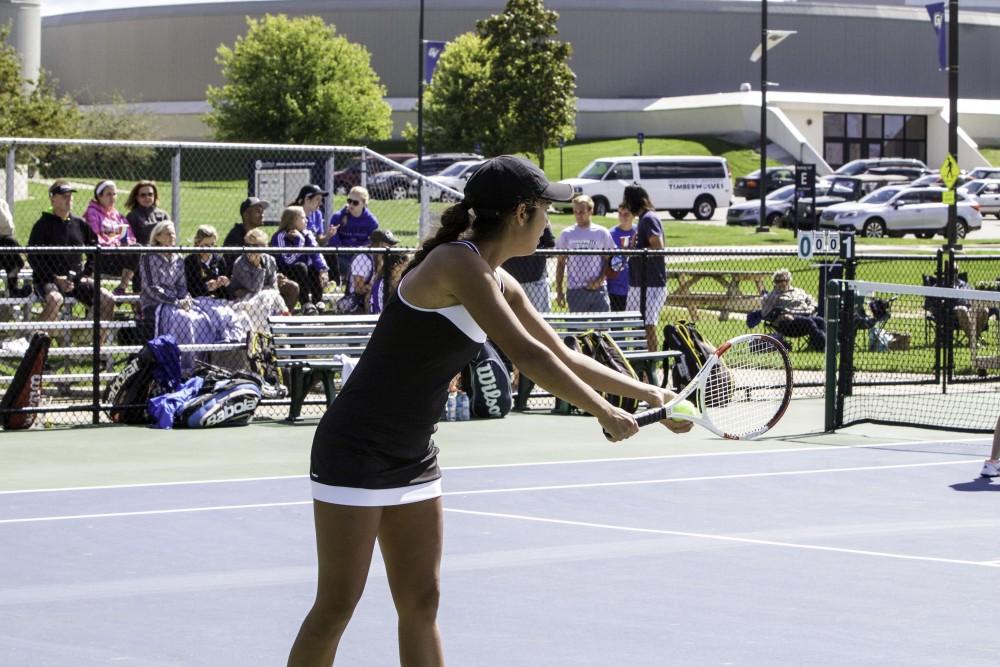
915,355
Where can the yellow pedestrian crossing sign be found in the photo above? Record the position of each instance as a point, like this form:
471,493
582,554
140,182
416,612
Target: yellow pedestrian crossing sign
949,171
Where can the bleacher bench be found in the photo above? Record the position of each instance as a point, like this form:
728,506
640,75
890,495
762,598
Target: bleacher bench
308,348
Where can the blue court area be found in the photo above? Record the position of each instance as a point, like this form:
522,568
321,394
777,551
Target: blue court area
875,547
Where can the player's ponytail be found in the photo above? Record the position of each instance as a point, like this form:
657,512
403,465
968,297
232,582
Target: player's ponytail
455,221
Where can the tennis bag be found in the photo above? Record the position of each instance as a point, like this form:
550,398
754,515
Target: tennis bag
601,347
25,390
264,363
224,402
695,350
487,382
130,390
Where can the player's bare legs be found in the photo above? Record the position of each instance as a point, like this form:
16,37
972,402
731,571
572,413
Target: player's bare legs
410,538
345,540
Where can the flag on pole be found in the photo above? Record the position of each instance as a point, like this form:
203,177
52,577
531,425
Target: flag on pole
774,37
432,51
936,11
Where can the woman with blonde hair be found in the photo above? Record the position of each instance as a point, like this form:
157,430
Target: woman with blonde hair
309,270
254,283
351,227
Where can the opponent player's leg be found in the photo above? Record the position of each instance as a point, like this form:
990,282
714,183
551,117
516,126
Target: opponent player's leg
991,468
345,540
410,539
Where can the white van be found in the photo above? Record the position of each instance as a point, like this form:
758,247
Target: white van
678,184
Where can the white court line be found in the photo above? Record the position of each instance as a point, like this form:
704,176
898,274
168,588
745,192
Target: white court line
626,459
726,538
500,490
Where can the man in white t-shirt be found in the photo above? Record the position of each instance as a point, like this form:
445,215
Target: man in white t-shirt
587,279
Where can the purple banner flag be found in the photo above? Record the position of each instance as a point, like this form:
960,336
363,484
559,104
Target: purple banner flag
936,11
432,51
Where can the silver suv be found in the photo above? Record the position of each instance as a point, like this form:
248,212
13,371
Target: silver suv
895,211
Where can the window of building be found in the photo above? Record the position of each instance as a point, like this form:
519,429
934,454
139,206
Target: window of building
852,136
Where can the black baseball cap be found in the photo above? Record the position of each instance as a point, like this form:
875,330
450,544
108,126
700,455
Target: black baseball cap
382,236
311,191
252,201
61,187
501,182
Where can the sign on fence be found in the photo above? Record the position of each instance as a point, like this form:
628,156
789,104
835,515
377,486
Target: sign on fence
824,242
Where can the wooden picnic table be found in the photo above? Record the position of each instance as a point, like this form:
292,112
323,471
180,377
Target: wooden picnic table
722,290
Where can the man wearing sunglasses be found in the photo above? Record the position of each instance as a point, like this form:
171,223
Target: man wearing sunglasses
352,226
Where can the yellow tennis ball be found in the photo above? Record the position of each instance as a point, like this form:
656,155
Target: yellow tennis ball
684,408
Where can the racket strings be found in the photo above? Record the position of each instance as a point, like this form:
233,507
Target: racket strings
747,388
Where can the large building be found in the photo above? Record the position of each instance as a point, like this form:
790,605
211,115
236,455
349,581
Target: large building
858,78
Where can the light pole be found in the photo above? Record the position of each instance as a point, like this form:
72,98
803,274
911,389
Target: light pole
762,181
420,99
952,119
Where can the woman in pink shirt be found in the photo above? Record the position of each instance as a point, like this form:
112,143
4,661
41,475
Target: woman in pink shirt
113,231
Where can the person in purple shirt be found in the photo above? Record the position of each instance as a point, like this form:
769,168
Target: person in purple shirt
623,234
311,200
351,227
309,270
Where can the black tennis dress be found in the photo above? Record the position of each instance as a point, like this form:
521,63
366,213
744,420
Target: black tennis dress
373,446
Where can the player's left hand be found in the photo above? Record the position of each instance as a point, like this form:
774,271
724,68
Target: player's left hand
664,396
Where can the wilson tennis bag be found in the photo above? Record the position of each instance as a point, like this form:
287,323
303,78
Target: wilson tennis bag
601,347
487,382
227,398
25,390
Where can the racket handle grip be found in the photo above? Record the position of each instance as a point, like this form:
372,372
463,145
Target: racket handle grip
651,416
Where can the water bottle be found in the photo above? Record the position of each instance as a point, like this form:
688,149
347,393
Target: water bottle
463,407
451,407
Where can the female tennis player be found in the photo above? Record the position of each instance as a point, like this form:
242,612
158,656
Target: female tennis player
374,465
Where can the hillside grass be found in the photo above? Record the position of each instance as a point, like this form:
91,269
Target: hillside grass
992,154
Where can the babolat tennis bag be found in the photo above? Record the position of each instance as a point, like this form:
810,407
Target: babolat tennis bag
227,398
25,389
487,382
130,390
602,348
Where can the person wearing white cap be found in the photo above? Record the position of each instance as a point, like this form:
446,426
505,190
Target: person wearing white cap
374,469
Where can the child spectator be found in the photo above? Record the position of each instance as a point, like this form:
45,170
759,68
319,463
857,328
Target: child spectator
623,234
309,270
311,200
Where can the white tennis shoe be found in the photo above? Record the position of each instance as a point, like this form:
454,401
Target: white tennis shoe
991,469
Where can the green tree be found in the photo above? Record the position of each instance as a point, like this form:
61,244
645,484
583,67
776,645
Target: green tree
297,81
508,86
458,111
31,108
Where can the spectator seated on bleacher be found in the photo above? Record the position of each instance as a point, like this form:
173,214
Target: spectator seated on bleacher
205,272
168,308
252,215
112,230
363,274
12,263
351,227
254,283
58,275
309,270
386,265
792,312
143,210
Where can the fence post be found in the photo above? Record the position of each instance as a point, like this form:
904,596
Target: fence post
10,176
424,224
95,310
364,168
832,339
175,188
328,181
642,282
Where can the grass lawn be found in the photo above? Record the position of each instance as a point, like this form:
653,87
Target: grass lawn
992,154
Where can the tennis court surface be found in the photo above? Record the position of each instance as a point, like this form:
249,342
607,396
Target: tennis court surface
872,546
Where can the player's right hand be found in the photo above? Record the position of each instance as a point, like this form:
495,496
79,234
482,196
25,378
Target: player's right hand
618,424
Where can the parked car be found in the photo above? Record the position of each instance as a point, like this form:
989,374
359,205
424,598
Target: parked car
895,211
678,184
980,173
346,178
395,184
749,186
776,205
838,189
933,179
910,173
986,193
857,167
453,177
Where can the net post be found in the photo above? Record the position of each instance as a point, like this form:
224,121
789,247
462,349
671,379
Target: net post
832,339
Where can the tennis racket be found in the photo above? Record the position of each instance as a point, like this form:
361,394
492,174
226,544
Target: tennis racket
742,390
